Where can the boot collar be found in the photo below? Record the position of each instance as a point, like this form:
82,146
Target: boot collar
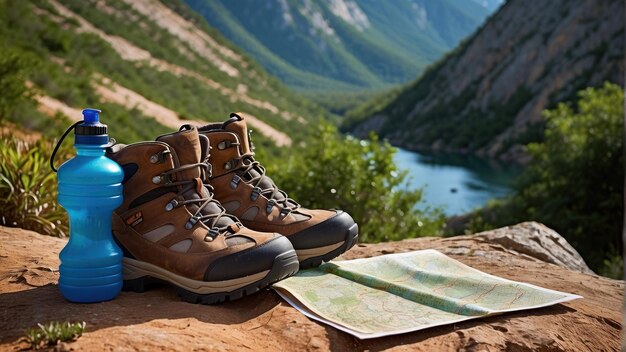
235,124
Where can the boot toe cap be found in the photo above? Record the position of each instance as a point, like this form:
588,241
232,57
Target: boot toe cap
250,261
331,231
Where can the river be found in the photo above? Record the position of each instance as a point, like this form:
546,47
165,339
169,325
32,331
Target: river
457,183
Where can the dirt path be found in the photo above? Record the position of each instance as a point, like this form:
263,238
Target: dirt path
198,40
115,93
279,138
112,92
50,106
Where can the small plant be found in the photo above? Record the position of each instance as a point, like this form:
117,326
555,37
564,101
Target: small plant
613,266
54,332
28,188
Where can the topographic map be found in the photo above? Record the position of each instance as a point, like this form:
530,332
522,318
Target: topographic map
397,293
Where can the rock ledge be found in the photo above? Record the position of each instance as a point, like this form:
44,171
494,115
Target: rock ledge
157,319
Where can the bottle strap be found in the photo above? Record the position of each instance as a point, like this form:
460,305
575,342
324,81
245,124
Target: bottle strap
56,148
112,141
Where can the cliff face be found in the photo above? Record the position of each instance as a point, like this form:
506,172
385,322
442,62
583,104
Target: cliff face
158,319
488,94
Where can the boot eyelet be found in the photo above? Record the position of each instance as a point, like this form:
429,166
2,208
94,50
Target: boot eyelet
213,233
250,144
223,145
284,212
171,205
159,157
161,179
235,182
256,191
192,221
270,206
227,166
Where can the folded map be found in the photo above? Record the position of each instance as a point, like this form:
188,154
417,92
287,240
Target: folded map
399,293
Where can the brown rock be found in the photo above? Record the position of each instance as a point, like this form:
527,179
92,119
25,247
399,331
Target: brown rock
159,320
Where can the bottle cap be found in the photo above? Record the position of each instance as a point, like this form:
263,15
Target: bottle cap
91,131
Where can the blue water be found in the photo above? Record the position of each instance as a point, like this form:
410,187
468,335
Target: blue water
457,183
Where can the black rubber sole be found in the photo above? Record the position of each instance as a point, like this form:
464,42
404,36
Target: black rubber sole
285,264
352,236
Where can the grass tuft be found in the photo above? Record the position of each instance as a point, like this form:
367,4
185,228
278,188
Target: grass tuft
28,188
53,333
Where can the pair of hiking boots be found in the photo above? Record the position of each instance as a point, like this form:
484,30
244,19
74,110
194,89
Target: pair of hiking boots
200,213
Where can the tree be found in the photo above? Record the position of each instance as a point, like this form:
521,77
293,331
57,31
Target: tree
14,66
360,177
575,182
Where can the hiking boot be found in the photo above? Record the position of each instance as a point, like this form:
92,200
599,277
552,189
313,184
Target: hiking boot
244,190
171,229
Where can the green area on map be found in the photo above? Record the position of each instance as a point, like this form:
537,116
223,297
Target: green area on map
408,292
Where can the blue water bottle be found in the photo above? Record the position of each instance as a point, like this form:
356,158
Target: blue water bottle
90,188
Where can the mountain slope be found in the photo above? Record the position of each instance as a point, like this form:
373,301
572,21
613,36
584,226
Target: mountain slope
149,67
487,95
490,5
343,45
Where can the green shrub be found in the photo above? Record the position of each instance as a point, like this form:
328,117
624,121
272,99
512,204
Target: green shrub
28,188
360,177
54,332
575,182
613,266
14,67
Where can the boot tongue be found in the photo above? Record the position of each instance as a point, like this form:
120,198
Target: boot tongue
237,124
189,150
186,145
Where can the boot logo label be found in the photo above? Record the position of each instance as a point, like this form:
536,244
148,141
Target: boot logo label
135,219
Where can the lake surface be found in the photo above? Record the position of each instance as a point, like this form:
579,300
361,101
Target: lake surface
457,183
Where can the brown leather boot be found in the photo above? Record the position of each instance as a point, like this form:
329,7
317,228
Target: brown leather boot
243,189
171,229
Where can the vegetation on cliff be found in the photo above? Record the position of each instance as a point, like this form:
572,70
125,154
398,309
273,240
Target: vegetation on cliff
73,47
575,182
486,96
343,46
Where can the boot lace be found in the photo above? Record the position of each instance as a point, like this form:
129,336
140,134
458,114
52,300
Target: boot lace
211,220
245,165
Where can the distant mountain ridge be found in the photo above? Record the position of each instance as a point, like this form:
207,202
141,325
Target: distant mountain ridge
486,97
343,45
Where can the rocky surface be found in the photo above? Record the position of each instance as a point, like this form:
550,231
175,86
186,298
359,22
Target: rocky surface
538,241
159,320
